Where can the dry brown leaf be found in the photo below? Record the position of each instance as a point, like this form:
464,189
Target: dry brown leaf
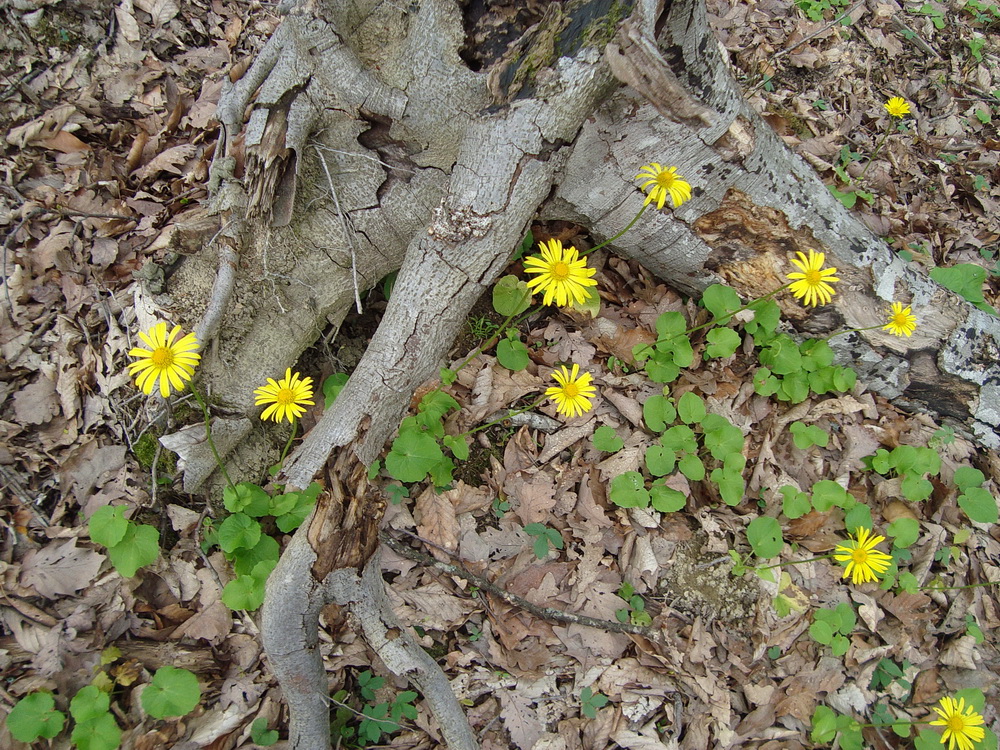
437,522
60,569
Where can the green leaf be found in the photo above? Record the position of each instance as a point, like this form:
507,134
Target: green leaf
447,376
606,440
766,316
782,356
670,324
966,476
413,454
90,702
437,403
821,632
660,461
512,354
722,437
140,546
511,296
246,559
666,499
692,467
660,368
806,436
858,517
816,353
721,300
722,342
98,733
238,531
591,304
795,504
108,525
248,498
904,531
458,446
628,490
764,382
260,734
826,493
824,725
965,279
691,408
915,488
978,505
172,692
332,387
731,486
658,412
35,716
679,438
243,592
292,519
764,535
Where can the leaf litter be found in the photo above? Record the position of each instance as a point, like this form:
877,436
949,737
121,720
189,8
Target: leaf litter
111,183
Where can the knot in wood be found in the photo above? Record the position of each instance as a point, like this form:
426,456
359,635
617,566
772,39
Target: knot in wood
458,225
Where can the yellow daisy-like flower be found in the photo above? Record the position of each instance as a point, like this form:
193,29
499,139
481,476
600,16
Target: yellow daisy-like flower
902,321
813,284
573,394
169,361
962,724
288,397
864,562
897,107
663,182
562,274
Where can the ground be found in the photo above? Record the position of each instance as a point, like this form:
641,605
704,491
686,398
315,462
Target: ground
109,139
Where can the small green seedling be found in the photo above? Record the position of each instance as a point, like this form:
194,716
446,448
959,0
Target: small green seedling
544,536
635,613
172,692
591,701
34,717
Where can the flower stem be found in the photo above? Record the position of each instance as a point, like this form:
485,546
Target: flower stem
208,435
284,452
612,239
951,588
850,330
878,148
796,562
498,420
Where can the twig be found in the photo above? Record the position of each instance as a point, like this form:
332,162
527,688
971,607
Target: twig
347,230
543,613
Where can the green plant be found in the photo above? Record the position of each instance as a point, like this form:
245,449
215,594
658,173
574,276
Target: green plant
591,701
832,626
976,45
130,545
376,717
481,327
818,10
936,16
764,535
979,504
544,536
911,463
606,440
805,436
261,735
827,724
95,728
172,692
966,280
635,613
35,716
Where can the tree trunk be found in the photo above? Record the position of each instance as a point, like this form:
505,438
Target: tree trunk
361,156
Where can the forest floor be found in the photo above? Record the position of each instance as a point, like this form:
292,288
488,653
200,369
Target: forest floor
108,141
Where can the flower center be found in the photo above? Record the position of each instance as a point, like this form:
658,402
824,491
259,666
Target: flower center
813,277
860,556
571,390
899,319
560,270
285,397
162,358
665,180
956,723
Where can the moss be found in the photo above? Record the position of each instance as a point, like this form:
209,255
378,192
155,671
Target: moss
602,30
145,453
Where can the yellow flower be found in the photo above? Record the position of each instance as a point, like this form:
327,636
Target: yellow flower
287,397
562,274
573,394
897,106
813,285
961,723
171,362
664,181
902,321
864,562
